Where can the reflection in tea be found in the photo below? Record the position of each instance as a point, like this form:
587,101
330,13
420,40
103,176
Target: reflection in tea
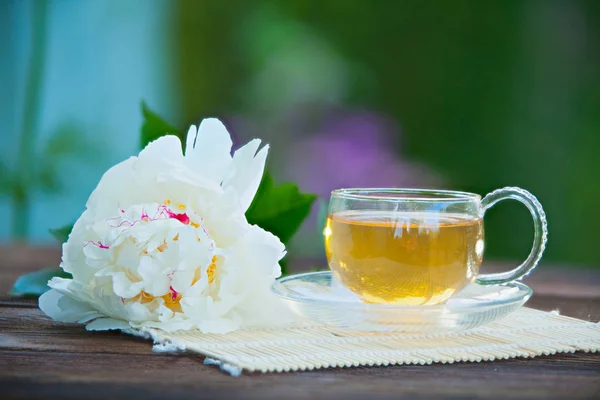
405,258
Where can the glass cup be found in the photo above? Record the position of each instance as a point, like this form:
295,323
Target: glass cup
417,247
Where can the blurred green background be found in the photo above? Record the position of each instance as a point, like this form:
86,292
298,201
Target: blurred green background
467,95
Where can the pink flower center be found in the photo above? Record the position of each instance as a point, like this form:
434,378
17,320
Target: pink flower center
183,217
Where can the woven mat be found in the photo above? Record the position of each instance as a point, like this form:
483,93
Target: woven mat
524,333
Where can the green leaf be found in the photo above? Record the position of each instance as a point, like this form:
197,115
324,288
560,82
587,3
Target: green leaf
155,126
36,283
62,234
279,209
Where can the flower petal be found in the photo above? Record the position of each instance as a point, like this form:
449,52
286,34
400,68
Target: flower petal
190,140
136,312
65,309
162,161
246,171
109,192
155,279
260,251
164,151
210,155
123,286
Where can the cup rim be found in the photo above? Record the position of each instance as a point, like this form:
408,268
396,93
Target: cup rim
395,194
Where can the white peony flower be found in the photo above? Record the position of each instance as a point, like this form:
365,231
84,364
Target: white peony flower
164,242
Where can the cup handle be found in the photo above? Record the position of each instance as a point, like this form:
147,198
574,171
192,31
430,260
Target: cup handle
540,235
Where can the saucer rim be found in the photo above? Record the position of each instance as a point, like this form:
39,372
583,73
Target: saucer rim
278,285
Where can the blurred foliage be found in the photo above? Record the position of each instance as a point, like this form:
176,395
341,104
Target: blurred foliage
22,176
44,171
489,93
36,165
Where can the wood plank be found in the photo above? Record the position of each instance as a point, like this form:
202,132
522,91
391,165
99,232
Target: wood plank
40,358
90,375
36,353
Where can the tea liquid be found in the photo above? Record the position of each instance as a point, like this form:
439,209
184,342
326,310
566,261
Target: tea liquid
405,258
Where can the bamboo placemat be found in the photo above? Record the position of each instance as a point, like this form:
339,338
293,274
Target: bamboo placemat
525,333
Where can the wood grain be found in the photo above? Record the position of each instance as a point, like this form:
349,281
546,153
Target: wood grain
40,358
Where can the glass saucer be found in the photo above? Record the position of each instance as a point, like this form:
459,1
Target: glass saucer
323,300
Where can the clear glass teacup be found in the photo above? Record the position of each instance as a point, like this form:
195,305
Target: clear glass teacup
417,247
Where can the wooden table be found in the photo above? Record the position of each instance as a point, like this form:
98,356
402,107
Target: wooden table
40,358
